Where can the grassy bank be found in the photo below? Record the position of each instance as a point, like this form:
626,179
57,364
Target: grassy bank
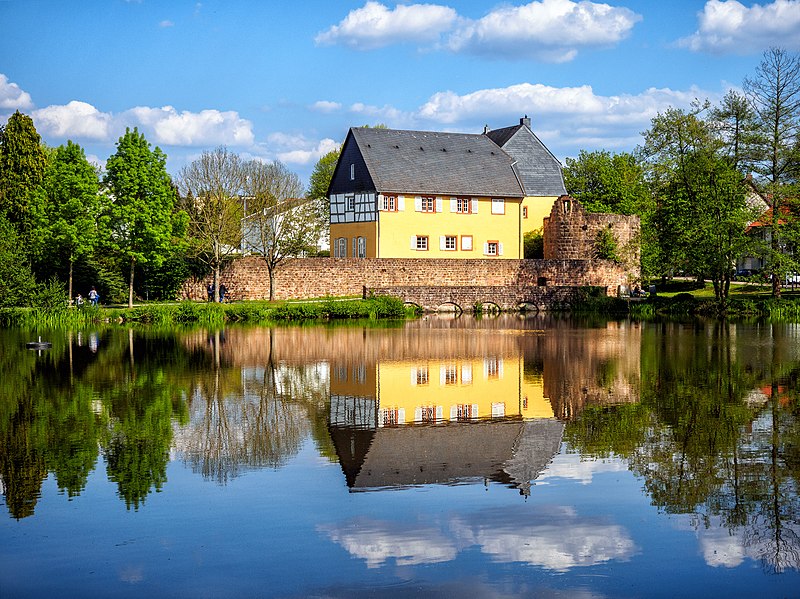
213,314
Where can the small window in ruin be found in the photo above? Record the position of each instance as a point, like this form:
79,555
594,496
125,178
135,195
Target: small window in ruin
541,281
567,205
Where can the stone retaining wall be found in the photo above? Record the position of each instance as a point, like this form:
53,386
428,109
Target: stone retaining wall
303,278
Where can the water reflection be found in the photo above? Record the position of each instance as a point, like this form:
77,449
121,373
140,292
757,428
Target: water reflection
705,414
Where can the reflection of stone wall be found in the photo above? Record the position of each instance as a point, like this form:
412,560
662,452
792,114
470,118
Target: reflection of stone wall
577,366
301,278
597,366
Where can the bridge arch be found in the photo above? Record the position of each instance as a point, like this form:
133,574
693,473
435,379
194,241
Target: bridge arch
450,306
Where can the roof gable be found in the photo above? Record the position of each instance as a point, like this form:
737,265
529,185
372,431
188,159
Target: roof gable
539,171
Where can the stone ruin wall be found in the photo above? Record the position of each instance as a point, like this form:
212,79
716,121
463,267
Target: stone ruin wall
570,233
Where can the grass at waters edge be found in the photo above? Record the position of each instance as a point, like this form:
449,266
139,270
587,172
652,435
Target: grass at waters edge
681,298
204,313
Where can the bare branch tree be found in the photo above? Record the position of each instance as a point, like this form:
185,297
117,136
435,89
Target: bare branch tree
211,189
280,223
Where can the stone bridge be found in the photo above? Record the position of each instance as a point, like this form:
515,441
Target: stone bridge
508,297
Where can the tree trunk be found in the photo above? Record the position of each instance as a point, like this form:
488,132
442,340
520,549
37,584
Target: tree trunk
216,283
71,262
271,283
130,284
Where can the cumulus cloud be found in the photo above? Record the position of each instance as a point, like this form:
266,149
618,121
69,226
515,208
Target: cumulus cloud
727,26
166,23
75,120
204,128
296,149
547,30
12,97
375,25
326,106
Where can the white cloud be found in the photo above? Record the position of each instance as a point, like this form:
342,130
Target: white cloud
298,150
727,26
325,106
546,30
166,23
204,128
73,120
375,26
12,97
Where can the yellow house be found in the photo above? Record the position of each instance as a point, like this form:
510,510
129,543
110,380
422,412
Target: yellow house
427,194
406,194
539,171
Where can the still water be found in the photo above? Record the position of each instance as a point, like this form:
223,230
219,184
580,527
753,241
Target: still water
442,457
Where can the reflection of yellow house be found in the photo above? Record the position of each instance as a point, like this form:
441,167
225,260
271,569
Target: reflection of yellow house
425,194
435,391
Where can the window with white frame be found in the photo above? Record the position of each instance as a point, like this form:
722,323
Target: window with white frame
491,248
463,206
352,171
427,204
388,204
466,243
350,202
419,243
362,247
498,206
340,248
448,243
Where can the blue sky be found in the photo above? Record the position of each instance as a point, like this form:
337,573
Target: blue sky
285,80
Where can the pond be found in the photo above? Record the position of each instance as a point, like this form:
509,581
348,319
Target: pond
506,456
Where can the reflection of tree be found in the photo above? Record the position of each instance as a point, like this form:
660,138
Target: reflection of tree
250,418
45,425
705,442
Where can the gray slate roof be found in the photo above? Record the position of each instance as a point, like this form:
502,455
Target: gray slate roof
539,170
430,162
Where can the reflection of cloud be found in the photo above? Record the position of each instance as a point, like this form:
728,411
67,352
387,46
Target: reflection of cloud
131,574
377,541
720,546
575,467
555,538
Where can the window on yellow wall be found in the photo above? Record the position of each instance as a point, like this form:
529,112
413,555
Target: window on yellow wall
498,206
448,243
419,243
427,204
466,243
524,212
388,204
493,248
340,248
461,205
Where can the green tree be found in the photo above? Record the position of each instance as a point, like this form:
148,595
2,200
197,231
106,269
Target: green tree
140,220
533,245
72,207
701,213
280,223
774,94
212,196
734,122
23,162
16,280
605,182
